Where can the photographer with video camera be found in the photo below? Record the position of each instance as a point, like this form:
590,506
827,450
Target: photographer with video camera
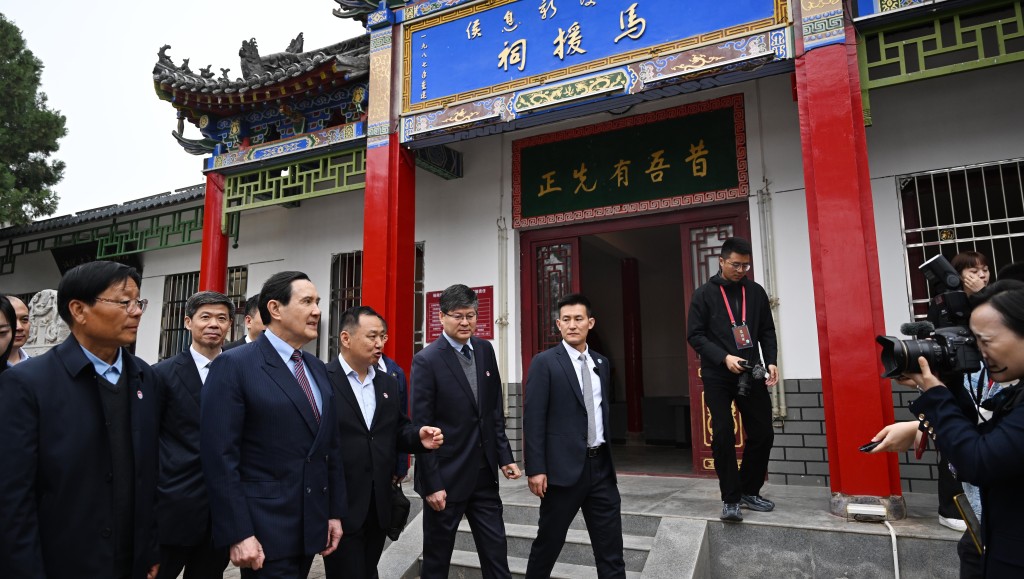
729,318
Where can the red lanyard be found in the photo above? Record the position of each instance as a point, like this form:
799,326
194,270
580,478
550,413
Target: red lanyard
729,309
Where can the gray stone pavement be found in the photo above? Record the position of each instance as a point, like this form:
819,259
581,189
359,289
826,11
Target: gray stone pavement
698,498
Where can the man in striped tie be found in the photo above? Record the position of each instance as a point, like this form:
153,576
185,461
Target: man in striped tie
269,441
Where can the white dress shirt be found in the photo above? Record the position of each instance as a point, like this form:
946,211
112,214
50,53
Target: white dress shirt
366,396
595,383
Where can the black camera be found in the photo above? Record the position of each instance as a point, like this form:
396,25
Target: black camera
950,349
749,374
944,340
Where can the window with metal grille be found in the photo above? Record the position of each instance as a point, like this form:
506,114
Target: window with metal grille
346,292
971,208
174,338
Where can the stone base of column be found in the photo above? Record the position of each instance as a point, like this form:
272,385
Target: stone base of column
895,507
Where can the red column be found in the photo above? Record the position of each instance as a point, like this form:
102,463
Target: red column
844,266
213,264
632,338
389,227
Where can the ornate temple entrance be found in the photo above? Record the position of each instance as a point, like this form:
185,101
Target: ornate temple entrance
639,274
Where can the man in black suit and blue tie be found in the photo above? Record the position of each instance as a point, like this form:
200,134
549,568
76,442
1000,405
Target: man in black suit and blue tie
456,387
269,441
183,509
568,462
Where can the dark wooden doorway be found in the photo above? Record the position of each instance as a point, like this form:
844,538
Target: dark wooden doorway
551,267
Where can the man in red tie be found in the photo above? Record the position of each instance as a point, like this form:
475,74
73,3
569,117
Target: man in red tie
269,441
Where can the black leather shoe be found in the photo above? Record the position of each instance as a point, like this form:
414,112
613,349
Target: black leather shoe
731,513
757,503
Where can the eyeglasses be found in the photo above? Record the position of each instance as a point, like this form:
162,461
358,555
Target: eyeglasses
139,305
460,317
739,266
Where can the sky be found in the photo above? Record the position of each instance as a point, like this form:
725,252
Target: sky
98,59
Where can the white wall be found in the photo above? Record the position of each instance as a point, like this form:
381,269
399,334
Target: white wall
963,119
270,240
32,272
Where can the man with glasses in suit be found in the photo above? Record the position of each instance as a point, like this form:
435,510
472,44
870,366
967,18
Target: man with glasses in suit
456,387
78,441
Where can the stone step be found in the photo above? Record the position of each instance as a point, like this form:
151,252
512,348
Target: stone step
577,549
632,524
466,565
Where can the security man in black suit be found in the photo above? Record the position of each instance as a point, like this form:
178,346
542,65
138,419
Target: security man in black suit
568,462
456,387
183,508
373,427
78,441
253,324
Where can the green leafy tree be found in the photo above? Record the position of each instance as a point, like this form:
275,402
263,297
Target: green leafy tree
28,134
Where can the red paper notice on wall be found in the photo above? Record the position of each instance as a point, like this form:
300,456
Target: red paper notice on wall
484,321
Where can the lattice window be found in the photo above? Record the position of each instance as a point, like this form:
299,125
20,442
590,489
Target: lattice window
174,338
971,208
301,180
705,247
347,289
555,271
974,38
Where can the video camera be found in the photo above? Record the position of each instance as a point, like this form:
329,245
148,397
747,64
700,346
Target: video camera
944,340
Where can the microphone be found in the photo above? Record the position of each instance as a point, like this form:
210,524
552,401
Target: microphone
595,370
917,329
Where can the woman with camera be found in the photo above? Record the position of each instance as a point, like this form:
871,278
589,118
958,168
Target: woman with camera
990,454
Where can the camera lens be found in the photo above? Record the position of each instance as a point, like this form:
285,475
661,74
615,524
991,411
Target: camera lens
900,356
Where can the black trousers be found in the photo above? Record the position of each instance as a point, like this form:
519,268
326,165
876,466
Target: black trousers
201,561
756,410
484,511
288,568
598,495
970,559
358,552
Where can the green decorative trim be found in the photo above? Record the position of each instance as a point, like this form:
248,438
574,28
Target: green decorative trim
119,237
973,38
615,81
288,184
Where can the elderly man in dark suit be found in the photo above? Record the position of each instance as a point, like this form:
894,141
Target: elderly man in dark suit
456,387
373,427
269,441
183,509
78,441
566,427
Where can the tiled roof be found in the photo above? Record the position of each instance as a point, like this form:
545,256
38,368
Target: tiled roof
176,197
346,60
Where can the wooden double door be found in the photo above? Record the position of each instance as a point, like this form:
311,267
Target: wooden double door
552,266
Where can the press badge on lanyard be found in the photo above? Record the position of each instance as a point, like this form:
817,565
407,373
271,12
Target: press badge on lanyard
740,331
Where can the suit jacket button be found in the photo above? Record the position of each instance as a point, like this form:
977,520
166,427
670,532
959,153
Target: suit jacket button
308,490
106,532
110,476
308,460
324,490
